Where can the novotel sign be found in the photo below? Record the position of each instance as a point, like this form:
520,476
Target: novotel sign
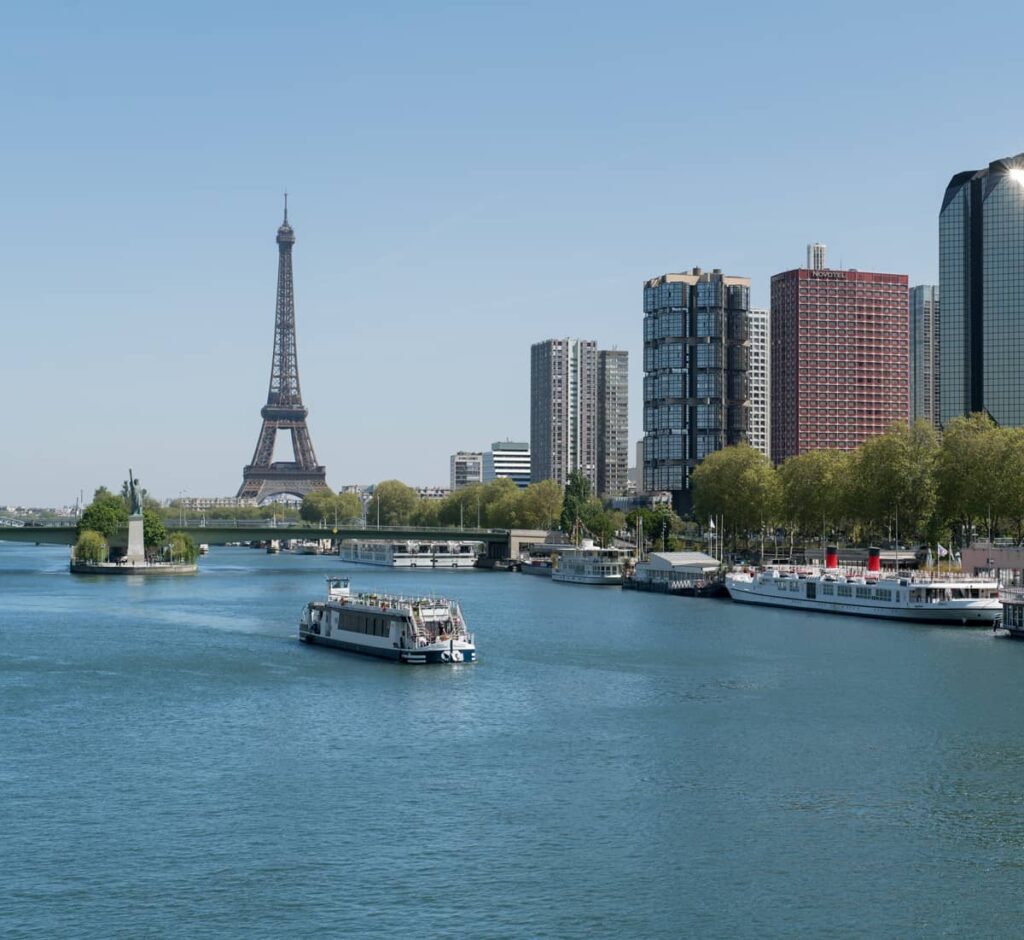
829,275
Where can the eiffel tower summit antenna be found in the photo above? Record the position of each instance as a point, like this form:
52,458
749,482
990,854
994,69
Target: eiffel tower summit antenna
263,478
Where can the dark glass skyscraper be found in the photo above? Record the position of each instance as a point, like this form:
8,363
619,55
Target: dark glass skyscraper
981,282
695,374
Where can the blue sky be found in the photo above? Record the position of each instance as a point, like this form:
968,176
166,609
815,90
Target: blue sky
465,179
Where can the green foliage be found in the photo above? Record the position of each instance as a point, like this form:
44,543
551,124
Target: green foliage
661,527
107,514
540,505
740,484
577,492
968,472
154,533
91,547
395,501
319,506
182,548
893,477
814,490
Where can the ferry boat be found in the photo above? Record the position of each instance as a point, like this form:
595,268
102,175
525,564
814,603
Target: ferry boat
412,630
410,554
868,592
589,565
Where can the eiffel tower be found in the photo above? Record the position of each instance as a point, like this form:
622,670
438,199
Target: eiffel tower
264,478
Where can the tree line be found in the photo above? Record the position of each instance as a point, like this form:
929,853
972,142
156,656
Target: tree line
911,483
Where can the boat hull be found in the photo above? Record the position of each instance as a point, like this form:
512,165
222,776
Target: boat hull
566,577
434,654
977,614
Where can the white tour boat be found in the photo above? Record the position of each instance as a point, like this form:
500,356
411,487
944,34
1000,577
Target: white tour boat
589,565
388,553
408,629
869,592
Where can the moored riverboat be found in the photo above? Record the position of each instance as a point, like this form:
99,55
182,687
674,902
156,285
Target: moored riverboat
388,553
1012,618
589,565
415,630
948,598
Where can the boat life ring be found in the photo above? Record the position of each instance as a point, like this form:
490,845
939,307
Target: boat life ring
456,656
446,657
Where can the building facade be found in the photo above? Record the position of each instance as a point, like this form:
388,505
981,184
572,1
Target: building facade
612,421
924,354
840,358
817,256
981,283
563,410
466,467
508,460
695,375
759,366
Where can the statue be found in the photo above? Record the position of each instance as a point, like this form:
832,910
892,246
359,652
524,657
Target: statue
134,494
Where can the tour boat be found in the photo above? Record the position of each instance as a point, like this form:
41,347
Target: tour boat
869,592
408,629
410,554
589,565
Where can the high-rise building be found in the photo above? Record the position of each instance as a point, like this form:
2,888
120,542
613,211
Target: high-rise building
816,260
695,374
563,410
612,421
981,283
466,467
924,353
508,460
840,358
759,364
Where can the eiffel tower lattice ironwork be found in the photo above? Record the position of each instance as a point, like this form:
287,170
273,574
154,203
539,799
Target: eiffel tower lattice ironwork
264,478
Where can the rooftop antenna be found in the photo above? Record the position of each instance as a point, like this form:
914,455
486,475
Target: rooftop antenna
286,208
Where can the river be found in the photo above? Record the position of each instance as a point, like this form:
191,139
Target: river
174,762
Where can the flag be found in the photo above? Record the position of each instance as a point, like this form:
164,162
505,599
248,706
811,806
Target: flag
942,552
711,525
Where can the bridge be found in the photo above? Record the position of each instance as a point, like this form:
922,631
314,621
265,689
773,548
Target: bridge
498,543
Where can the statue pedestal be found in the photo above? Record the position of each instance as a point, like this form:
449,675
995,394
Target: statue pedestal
136,554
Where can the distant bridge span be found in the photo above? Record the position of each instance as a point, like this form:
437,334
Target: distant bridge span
498,543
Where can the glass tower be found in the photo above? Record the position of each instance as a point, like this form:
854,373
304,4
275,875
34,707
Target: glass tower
695,375
981,282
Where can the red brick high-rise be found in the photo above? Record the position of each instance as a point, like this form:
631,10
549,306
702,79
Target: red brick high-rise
840,358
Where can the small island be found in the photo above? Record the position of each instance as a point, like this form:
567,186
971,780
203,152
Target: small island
120,534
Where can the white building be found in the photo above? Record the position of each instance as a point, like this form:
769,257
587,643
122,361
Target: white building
466,467
816,256
759,371
508,460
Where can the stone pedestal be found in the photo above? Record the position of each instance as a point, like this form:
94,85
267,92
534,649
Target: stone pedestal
136,554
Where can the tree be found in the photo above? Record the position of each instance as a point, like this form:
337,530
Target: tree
350,507
738,483
500,504
153,531
1011,482
577,492
318,505
182,548
91,547
967,470
540,505
107,514
395,501
813,489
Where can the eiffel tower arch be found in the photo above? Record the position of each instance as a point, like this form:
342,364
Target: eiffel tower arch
263,478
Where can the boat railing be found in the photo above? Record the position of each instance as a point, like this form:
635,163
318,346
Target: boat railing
1012,594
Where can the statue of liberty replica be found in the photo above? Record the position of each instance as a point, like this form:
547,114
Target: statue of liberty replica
136,554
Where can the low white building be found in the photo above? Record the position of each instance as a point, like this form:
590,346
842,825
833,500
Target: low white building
677,570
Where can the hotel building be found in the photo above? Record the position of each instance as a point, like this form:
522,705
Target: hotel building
840,357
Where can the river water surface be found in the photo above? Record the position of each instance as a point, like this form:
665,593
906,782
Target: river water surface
173,762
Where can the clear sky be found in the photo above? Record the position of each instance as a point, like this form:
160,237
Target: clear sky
466,178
